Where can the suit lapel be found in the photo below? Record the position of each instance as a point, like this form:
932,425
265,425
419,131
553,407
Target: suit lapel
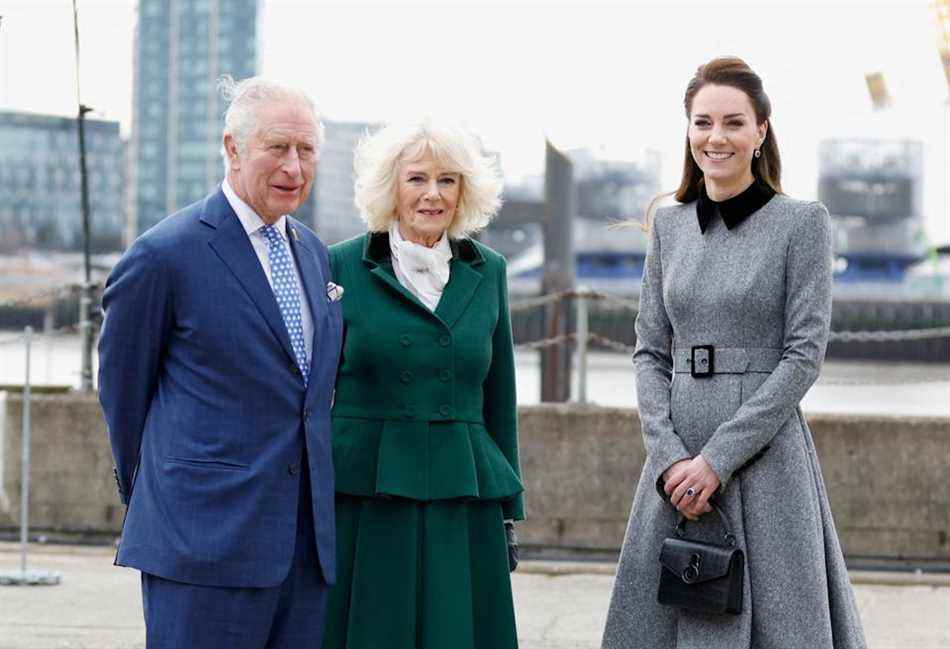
384,272
459,291
231,243
314,284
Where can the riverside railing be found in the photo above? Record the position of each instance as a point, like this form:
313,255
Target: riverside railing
604,321
583,338
24,576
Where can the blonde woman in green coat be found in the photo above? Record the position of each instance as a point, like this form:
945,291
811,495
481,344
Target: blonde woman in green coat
425,443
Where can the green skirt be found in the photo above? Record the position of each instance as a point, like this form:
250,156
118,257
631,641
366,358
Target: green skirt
420,575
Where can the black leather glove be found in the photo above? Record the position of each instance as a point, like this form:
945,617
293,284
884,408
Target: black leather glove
512,539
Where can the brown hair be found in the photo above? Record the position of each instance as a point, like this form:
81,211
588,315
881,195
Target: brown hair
734,72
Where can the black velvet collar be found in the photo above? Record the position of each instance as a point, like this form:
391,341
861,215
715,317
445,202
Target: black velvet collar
376,249
734,210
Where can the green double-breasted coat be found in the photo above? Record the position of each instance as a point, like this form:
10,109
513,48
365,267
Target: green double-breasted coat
425,450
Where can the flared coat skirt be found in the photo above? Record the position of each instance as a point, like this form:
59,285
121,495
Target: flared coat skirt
797,593
420,575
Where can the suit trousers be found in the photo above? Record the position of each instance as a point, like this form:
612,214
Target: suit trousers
291,615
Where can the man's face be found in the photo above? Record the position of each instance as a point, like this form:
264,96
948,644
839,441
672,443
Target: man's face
275,172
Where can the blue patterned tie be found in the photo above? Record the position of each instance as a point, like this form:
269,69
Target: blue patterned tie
287,293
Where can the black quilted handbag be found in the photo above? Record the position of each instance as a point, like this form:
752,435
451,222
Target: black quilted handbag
700,576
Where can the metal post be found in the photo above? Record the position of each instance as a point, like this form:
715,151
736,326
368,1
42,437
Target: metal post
580,300
24,577
560,197
85,298
25,455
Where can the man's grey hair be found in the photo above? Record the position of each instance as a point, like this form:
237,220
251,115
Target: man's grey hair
245,99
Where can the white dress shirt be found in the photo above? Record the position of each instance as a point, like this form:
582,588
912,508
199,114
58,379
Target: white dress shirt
252,225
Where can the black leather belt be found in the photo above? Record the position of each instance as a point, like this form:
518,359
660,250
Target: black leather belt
703,361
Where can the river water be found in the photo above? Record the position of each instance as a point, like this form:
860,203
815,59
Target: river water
849,387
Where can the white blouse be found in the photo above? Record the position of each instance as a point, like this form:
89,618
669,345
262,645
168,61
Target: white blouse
423,271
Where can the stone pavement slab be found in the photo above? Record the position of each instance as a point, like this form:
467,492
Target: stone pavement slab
97,606
567,611
558,605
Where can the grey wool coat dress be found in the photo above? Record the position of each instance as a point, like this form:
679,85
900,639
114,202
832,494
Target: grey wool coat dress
760,293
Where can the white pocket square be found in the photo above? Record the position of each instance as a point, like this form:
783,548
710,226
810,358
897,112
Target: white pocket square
334,292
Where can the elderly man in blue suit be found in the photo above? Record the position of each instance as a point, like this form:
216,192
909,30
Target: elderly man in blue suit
217,360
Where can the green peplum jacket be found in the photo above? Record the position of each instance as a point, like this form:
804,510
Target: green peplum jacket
425,402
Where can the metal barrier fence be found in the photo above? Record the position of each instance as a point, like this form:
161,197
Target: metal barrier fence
616,309
604,321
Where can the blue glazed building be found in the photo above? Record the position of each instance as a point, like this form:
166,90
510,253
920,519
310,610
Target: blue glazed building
181,48
40,188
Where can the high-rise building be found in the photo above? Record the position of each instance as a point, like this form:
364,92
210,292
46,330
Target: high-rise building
39,182
330,209
181,48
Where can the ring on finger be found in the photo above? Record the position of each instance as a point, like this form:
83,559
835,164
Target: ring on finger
690,492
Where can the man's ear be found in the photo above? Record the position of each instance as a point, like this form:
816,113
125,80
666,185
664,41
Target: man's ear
230,147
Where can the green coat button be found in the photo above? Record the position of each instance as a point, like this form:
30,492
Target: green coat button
445,410
405,376
444,340
445,376
405,340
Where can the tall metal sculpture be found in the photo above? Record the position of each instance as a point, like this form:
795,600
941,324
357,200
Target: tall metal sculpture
560,198
556,216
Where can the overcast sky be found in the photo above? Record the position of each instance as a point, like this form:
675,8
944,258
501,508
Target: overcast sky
603,75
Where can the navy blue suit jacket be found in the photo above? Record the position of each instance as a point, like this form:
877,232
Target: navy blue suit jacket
206,409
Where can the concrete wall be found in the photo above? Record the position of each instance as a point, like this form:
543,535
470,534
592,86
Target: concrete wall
888,478
71,484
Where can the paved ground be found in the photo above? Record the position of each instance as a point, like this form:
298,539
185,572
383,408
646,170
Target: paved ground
559,606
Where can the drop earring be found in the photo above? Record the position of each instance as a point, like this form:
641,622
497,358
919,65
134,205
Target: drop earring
758,153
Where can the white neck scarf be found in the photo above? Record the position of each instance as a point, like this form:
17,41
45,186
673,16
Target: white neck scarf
423,271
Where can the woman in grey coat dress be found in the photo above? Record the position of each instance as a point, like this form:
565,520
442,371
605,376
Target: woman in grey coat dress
740,267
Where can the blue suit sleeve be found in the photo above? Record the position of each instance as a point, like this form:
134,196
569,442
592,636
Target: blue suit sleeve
138,317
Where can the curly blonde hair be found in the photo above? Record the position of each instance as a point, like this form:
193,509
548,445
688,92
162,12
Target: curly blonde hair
379,155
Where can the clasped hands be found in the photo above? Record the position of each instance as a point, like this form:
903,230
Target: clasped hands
690,484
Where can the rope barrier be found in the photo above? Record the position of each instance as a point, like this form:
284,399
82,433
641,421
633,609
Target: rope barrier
897,335
536,302
16,338
889,336
633,305
33,298
546,342
927,379
544,300
612,344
